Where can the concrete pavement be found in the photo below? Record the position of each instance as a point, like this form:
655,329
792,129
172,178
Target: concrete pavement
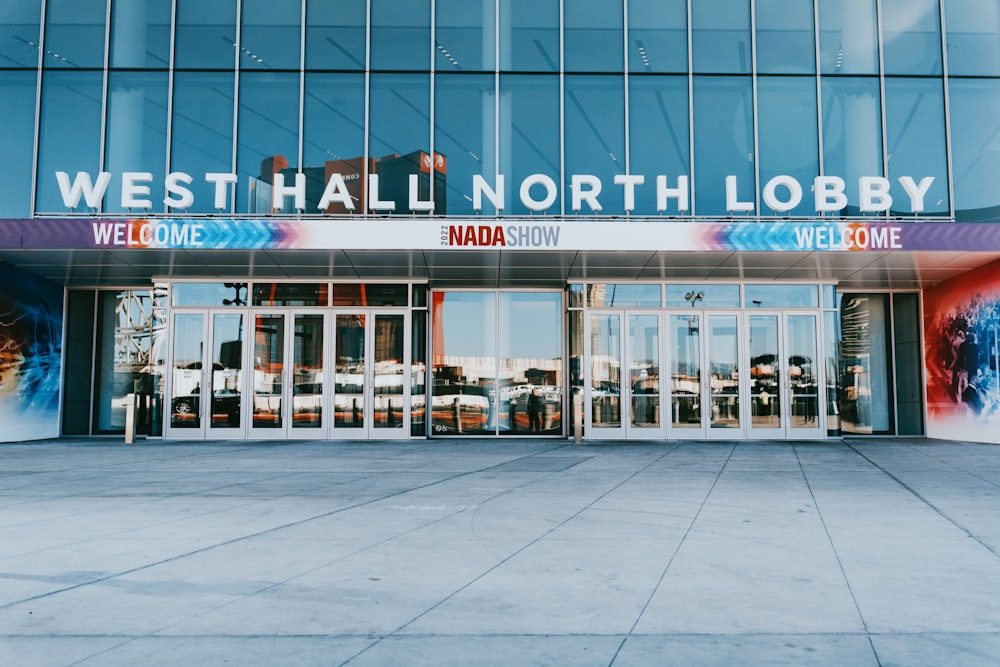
499,552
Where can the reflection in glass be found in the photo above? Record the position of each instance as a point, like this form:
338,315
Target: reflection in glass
202,133
69,133
74,33
140,34
17,111
208,294
291,294
723,141
975,163
334,136
915,141
465,113
205,34
852,132
268,138
723,369
593,35
785,37
19,34
865,359
370,294
349,382
307,372
466,35
185,383
685,371
973,37
136,137
529,35
463,354
765,377
644,369
605,371
529,136
760,295
531,363
657,32
123,358
595,138
721,36
418,374
227,363
800,347
389,371
623,294
270,34
400,137
400,34
268,370
335,35
658,135
713,295
787,108
848,37
911,33
831,334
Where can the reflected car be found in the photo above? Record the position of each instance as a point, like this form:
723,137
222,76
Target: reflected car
225,407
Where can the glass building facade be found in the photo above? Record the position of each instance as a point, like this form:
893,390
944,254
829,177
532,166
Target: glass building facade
606,189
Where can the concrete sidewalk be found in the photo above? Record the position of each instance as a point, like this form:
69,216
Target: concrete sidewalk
500,552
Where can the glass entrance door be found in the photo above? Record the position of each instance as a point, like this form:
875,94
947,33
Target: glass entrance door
371,393
783,390
630,406
288,373
206,379
704,375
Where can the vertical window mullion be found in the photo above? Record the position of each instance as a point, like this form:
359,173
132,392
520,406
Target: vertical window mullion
38,111
368,75
947,113
692,188
170,93
753,93
104,92
236,99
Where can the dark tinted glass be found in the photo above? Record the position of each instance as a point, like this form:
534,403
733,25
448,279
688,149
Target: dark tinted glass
400,132
595,138
464,134
271,34
529,134
466,35
291,294
74,33
334,129
370,294
335,34
17,117
19,33
401,34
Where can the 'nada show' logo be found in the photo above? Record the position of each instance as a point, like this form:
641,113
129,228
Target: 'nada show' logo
494,236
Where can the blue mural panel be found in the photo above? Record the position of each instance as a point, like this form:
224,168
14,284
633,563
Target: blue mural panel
31,311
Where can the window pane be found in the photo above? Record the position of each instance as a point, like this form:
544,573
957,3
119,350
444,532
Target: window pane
785,37
74,33
531,363
140,33
595,138
723,142
914,125
608,295
529,35
202,136
975,157
124,343
593,39
848,37
271,33
400,133
19,33
208,294
787,108
781,296
658,136
463,354
335,34
464,134
712,296
852,133
529,135
973,37
206,34
268,138
401,34
657,32
69,133
466,35
136,135
721,36
291,294
334,141
370,294
911,30
17,117
865,359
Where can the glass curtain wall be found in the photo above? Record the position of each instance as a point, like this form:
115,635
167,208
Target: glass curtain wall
520,87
